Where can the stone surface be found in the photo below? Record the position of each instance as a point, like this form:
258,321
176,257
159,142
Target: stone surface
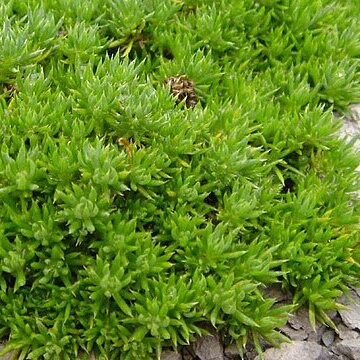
345,333
332,314
299,350
170,355
7,356
328,337
351,316
338,357
349,348
317,335
296,335
351,125
187,353
300,321
274,291
357,291
351,128
209,348
231,352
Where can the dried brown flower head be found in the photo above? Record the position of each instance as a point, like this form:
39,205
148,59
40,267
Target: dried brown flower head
182,88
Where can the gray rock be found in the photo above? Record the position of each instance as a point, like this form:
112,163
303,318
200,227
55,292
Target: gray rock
209,348
317,334
351,316
357,291
274,291
298,328
231,352
328,337
296,335
8,356
345,333
351,125
300,320
332,314
337,357
351,128
299,350
187,352
349,348
170,355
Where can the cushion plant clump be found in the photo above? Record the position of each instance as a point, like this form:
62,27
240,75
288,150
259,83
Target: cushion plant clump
163,162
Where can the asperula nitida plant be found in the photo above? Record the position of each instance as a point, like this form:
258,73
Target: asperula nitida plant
182,88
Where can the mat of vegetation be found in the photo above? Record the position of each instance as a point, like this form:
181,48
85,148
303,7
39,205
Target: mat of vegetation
163,161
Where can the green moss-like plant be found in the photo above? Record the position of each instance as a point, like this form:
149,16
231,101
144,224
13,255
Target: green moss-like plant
127,217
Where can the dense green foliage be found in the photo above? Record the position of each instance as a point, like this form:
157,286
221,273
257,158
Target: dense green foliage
126,247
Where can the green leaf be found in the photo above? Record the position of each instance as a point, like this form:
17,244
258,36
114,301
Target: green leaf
245,319
122,304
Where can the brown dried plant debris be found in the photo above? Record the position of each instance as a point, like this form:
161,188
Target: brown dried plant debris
182,88
10,90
